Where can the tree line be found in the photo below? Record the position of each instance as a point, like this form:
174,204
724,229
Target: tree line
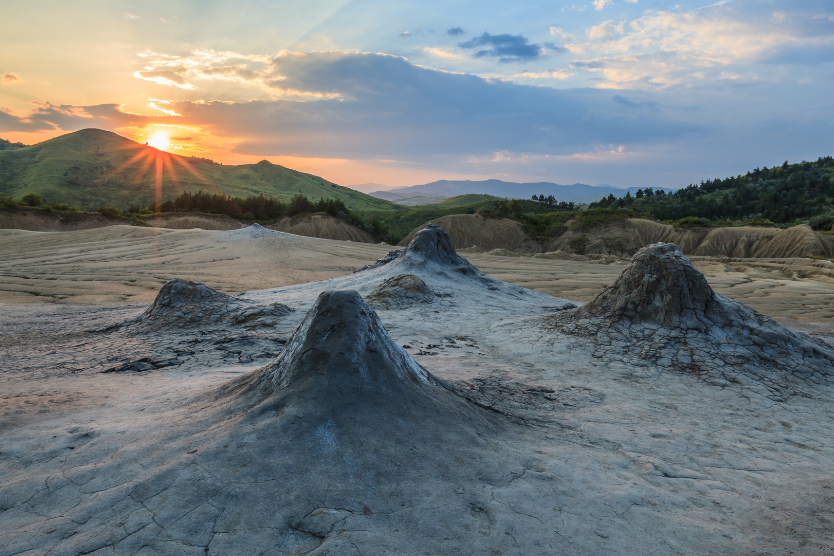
782,194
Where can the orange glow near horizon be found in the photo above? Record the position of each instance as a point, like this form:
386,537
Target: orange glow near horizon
202,143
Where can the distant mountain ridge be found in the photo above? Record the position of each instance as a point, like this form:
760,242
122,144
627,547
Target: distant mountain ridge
92,167
576,193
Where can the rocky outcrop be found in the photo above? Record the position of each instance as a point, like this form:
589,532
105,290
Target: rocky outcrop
185,304
400,292
662,313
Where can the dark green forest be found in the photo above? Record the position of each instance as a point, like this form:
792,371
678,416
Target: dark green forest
784,194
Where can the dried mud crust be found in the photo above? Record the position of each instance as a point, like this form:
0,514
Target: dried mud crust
662,314
525,403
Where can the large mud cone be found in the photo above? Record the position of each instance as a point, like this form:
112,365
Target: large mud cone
400,292
342,342
660,285
662,312
185,304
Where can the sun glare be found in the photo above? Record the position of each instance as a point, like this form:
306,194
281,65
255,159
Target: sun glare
159,141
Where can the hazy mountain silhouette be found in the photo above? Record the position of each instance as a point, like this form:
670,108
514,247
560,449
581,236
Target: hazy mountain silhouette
577,193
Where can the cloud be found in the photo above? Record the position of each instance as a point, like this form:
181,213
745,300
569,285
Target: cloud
405,34
576,48
555,74
9,78
508,48
166,72
559,32
624,101
589,64
605,30
49,116
131,16
600,4
703,46
186,138
11,122
375,106
441,53
185,71
455,31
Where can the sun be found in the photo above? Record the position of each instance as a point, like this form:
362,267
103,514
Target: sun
159,141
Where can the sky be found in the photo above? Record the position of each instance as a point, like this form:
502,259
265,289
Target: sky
620,92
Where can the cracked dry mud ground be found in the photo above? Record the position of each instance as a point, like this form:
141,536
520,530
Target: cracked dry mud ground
564,453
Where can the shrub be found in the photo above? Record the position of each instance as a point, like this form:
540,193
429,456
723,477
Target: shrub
758,221
108,212
822,222
32,200
63,207
598,217
8,203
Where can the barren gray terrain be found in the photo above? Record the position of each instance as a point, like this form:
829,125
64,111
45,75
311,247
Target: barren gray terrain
418,406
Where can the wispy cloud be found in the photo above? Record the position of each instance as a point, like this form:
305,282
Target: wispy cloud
605,30
554,74
129,15
9,78
439,52
710,44
455,31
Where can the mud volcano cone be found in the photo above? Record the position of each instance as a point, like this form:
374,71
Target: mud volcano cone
660,285
341,366
342,342
431,247
662,310
185,304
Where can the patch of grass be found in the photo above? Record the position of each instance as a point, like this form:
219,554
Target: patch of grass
692,222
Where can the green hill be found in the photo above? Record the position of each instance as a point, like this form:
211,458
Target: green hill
461,201
790,193
91,167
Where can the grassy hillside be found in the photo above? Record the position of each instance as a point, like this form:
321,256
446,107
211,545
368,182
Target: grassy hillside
9,146
791,193
399,222
462,201
91,167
